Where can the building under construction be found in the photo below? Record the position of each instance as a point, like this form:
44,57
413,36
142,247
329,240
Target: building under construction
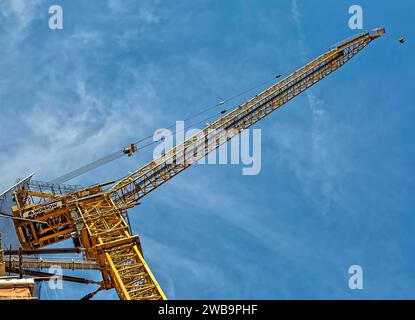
14,287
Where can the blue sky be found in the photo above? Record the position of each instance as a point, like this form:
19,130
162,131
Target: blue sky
336,185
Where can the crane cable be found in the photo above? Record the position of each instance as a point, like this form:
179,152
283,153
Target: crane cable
121,152
212,107
118,154
9,216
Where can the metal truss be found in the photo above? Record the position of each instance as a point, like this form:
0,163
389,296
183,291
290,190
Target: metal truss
95,217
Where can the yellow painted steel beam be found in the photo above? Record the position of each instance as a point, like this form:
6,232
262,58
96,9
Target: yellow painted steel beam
117,252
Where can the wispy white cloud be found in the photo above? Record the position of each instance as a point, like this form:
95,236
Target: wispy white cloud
140,16
17,16
310,154
22,11
171,262
63,133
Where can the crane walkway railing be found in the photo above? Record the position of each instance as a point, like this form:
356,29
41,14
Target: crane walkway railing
39,263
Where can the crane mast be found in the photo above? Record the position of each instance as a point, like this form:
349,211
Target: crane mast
95,217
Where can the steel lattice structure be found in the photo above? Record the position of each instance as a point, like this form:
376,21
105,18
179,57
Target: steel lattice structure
95,217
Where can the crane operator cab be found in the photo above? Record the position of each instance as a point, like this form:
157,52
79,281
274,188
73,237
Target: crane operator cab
43,215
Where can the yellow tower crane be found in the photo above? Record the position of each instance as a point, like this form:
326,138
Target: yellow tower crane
96,216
